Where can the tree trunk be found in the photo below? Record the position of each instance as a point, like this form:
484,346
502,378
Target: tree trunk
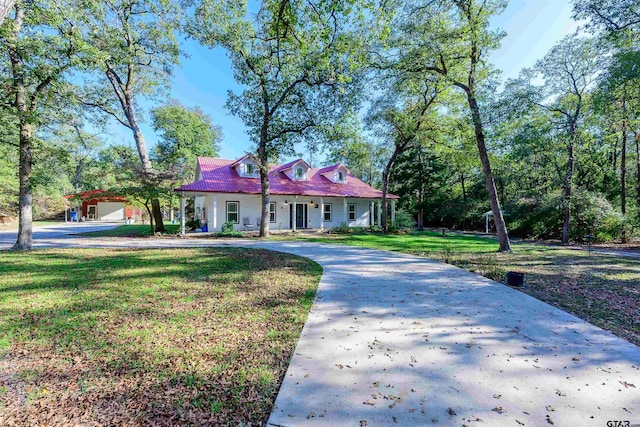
25,224
623,168
147,168
464,190
501,228
5,7
385,186
637,139
623,161
25,220
150,212
264,191
568,186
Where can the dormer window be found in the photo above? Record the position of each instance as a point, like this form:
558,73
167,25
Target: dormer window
340,176
250,169
299,173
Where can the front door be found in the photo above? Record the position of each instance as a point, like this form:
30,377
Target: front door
300,215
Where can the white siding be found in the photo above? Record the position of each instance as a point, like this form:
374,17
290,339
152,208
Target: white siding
250,207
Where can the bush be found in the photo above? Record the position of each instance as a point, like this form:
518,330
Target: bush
591,214
343,228
227,230
192,224
404,219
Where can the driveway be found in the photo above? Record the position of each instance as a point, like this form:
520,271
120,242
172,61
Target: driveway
45,235
393,339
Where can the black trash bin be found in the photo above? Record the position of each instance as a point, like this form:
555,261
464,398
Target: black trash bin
515,279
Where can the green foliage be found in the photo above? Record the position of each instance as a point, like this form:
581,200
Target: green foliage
342,228
192,224
185,133
227,230
592,215
404,219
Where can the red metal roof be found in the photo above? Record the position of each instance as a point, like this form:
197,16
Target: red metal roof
218,176
95,194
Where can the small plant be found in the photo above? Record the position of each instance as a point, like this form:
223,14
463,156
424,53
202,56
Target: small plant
343,228
192,224
227,230
447,253
491,268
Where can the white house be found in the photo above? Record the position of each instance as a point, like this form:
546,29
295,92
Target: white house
301,197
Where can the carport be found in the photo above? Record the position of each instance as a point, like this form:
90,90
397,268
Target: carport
99,205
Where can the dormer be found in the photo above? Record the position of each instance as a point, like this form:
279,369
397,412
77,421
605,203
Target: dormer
298,170
246,166
336,173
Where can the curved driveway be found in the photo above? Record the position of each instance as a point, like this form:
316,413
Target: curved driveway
394,339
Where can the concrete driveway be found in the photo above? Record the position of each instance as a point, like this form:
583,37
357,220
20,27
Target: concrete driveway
45,235
394,339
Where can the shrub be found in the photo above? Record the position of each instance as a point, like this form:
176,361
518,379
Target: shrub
192,224
227,230
404,219
343,228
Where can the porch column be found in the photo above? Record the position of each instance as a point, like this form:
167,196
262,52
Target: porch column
182,214
293,215
379,219
393,212
208,214
171,217
321,214
371,218
345,216
215,213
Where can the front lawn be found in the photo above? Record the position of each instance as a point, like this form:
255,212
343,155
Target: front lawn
148,337
599,288
132,230
417,243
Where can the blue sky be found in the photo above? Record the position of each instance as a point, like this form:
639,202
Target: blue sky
532,26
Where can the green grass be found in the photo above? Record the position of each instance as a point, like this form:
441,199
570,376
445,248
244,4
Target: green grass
124,337
426,242
132,230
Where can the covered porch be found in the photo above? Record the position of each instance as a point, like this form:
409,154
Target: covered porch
286,212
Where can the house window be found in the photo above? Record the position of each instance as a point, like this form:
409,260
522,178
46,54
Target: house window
300,173
250,169
326,214
340,176
233,210
352,211
272,212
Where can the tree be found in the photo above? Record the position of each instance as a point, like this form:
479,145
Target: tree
405,114
136,50
363,158
451,39
5,8
296,61
612,15
42,41
569,71
185,134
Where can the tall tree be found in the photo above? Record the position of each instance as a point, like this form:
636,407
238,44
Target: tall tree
185,133
452,39
137,48
405,114
41,41
295,60
569,71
